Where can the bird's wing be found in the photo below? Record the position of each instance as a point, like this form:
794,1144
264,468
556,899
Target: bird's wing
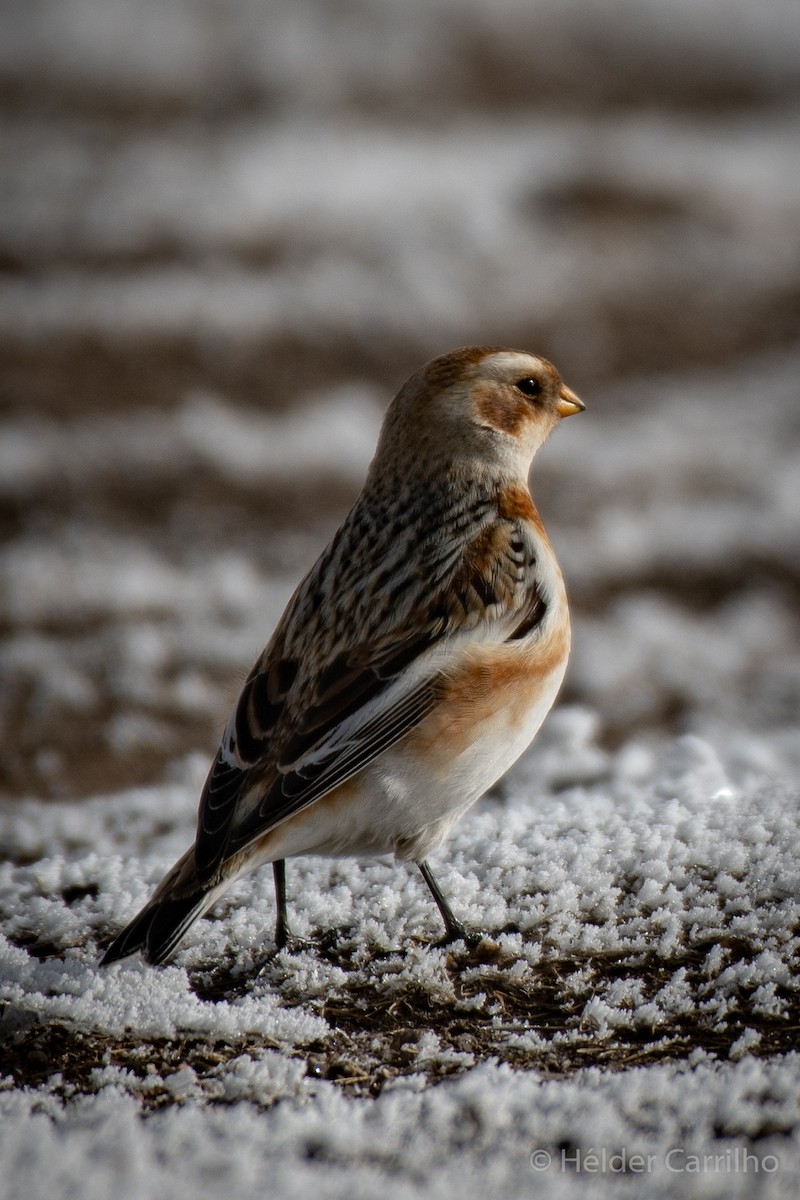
315,712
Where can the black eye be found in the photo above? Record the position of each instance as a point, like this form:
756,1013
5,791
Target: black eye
529,387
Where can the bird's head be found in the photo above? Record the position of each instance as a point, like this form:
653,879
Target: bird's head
487,406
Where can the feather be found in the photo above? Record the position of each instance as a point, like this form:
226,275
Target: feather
312,716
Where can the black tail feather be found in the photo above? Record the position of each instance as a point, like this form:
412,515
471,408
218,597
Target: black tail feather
156,930
132,938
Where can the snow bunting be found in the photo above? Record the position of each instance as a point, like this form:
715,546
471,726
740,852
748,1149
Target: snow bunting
413,664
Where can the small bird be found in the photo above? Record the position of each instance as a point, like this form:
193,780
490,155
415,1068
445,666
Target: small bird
413,664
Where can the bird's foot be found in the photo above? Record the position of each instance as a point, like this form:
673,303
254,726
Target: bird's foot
459,933
481,949
286,940
326,942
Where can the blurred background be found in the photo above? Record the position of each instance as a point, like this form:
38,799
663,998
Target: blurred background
230,229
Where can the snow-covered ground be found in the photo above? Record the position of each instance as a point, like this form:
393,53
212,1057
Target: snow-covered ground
642,1011
227,233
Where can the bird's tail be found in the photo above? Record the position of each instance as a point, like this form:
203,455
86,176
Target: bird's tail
176,904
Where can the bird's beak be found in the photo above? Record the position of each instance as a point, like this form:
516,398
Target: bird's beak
568,402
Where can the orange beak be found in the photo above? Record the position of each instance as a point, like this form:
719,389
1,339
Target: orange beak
568,402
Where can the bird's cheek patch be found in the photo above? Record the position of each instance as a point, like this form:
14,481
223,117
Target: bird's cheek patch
500,409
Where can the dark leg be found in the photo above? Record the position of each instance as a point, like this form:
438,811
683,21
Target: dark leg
283,934
454,929
282,931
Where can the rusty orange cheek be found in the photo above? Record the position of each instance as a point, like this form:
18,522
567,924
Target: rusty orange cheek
500,408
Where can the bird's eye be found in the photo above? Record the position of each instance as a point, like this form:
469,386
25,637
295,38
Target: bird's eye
529,387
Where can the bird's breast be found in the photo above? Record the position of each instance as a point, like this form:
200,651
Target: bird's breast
494,698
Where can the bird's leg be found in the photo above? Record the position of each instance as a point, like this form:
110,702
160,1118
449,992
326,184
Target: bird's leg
454,930
283,933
